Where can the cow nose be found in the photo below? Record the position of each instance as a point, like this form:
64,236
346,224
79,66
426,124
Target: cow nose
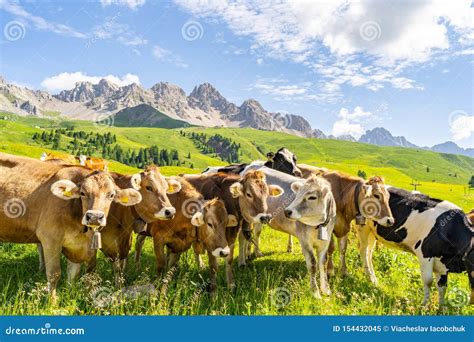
265,218
390,221
288,213
297,173
169,212
89,216
223,253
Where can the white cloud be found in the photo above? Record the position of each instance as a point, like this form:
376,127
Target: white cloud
132,4
351,122
358,43
38,22
283,90
67,80
164,55
121,33
462,127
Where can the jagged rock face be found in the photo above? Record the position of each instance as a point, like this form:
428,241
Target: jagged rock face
317,133
82,92
170,98
207,98
382,137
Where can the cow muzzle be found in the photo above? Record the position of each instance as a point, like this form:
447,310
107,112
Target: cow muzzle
262,218
291,214
94,218
221,252
166,213
387,221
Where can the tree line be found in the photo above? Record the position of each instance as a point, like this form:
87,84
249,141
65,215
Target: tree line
224,148
105,145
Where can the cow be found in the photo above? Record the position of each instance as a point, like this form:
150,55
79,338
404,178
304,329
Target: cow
470,216
60,206
283,160
198,223
436,231
308,212
244,197
93,163
66,158
355,199
154,206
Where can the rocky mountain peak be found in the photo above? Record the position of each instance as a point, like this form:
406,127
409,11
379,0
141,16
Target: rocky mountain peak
208,98
382,137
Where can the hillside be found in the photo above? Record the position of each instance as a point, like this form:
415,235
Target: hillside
441,175
145,116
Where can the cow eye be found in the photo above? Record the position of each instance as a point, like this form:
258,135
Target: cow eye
377,196
83,194
149,188
111,195
249,195
312,198
209,225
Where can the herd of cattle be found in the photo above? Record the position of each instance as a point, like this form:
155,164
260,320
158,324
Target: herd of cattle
72,209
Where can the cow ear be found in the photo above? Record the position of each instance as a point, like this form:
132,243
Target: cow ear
173,186
198,219
232,221
65,189
136,181
275,190
43,156
236,189
296,186
82,160
270,155
367,190
127,197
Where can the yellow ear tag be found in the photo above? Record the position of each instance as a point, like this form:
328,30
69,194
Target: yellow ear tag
67,193
170,188
124,199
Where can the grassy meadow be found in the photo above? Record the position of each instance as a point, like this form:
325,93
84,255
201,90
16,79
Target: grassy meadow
275,284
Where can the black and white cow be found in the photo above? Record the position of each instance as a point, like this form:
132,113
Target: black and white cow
283,160
436,231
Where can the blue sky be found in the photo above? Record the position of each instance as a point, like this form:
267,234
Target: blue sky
345,66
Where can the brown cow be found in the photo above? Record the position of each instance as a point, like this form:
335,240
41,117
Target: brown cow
155,205
200,223
355,199
55,205
93,163
244,197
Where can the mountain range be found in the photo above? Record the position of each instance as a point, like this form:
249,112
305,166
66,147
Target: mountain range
167,105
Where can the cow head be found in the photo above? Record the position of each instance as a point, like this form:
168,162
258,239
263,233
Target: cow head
284,161
97,191
211,222
155,189
253,192
374,202
313,204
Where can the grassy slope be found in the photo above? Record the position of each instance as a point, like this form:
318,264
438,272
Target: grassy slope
400,291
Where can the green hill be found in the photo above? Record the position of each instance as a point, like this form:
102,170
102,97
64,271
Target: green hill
441,175
145,116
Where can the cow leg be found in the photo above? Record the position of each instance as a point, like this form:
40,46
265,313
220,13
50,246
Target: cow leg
426,268
311,266
289,248
92,263
330,264
342,244
73,270
138,250
441,284
323,278
173,259
40,257
371,247
52,253
257,227
365,251
242,249
228,267
213,266
160,255
118,273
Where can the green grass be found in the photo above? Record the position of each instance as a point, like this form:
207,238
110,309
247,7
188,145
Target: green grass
22,287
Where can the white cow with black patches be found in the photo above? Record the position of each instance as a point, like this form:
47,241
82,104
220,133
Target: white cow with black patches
436,231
